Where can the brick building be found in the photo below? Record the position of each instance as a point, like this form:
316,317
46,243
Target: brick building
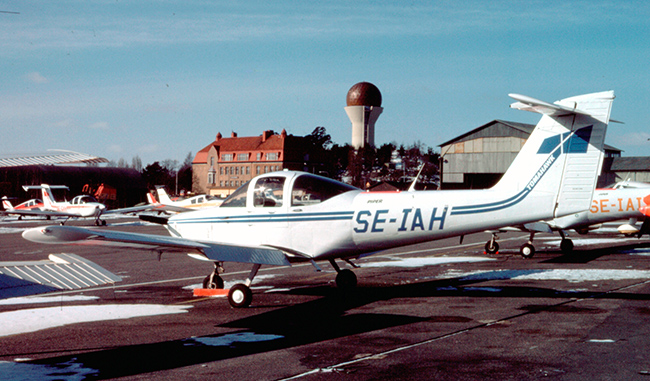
227,163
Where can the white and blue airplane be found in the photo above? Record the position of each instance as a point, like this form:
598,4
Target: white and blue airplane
284,217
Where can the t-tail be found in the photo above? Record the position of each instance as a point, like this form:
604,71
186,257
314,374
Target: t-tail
565,150
49,202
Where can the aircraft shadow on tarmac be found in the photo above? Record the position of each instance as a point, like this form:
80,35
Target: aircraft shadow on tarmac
328,317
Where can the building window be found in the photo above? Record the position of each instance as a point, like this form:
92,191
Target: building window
212,161
236,170
266,168
242,157
248,170
272,156
257,169
227,157
221,170
259,156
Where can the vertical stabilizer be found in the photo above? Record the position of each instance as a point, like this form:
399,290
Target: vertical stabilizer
566,146
6,204
48,198
163,196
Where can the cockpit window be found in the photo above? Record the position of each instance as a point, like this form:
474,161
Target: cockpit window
309,190
269,192
237,198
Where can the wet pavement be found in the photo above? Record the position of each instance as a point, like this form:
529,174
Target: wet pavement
439,310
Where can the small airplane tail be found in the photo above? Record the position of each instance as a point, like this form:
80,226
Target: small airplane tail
151,199
49,202
163,196
48,198
6,203
564,154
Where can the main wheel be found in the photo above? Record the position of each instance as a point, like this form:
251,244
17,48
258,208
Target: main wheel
566,245
527,250
346,279
491,247
217,282
240,296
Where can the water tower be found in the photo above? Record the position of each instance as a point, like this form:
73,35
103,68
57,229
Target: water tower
363,109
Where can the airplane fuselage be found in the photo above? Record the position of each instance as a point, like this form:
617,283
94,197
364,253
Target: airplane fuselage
353,222
607,205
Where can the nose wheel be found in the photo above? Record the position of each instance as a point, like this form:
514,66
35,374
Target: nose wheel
214,280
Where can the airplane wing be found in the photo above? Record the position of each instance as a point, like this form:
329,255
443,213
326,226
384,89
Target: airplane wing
60,272
132,209
36,212
213,251
172,208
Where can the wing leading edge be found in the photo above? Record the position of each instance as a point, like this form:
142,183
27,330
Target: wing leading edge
213,251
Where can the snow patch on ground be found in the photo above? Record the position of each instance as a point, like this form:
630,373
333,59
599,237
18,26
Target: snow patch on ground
424,261
572,276
36,319
45,299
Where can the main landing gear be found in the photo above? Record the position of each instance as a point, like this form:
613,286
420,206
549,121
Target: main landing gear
345,279
527,250
240,295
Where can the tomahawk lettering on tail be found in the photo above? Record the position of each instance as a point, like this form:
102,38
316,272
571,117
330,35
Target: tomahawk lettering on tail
282,217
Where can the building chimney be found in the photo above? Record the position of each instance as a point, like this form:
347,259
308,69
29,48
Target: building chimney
218,136
233,134
266,134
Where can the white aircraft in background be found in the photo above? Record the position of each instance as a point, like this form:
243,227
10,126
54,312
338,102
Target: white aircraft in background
607,205
82,206
283,217
186,204
28,206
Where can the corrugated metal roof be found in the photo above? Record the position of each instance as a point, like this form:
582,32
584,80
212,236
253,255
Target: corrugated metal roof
60,157
631,163
495,129
60,272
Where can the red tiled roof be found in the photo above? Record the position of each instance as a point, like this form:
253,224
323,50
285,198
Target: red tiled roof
274,142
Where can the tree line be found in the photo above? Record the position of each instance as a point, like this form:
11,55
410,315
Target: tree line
390,162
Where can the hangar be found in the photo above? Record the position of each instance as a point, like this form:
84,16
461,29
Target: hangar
478,158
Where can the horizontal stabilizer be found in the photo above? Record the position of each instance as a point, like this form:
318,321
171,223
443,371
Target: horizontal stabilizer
531,104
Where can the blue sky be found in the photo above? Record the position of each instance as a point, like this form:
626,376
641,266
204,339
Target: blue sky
159,79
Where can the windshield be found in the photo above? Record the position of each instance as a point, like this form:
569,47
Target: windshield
237,198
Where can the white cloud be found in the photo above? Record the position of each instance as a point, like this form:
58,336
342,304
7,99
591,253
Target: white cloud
115,148
99,126
36,77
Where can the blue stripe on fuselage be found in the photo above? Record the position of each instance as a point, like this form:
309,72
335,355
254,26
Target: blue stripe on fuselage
322,216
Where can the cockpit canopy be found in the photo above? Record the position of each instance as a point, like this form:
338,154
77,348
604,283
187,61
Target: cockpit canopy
78,200
282,188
